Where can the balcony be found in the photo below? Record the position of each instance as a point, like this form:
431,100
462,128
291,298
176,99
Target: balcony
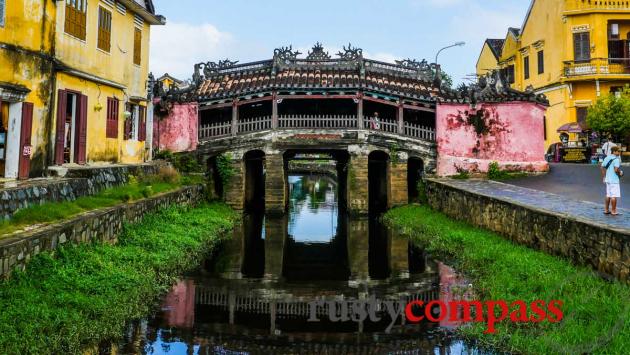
597,6
597,67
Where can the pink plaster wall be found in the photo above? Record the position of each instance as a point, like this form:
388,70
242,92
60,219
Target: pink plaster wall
177,132
511,134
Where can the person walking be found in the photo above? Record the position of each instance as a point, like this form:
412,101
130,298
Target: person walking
611,173
607,147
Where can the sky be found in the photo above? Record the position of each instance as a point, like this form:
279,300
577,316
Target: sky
249,30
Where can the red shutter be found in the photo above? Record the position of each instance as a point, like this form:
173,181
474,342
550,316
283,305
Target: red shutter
81,147
62,101
25,141
142,124
128,122
112,118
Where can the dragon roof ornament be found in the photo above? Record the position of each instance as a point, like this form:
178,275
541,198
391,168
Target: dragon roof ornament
318,53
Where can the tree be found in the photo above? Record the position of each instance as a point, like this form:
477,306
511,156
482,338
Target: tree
611,114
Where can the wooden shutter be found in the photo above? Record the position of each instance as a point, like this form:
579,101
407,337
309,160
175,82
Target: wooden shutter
104,29
81,129
127,134
137,46
75,22
25,141
62,102
142,124
112,118
582,46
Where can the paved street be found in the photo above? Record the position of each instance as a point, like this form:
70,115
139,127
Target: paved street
575,181
540,200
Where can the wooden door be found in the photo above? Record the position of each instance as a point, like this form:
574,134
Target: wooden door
25,141
81,131
62,102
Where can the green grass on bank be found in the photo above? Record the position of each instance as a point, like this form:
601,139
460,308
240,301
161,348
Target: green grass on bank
596,312
137,189
87,293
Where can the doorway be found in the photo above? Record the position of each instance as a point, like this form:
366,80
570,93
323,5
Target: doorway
16,120
70,143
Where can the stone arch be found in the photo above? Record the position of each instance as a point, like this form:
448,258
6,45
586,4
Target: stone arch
254,189
378,181
415,175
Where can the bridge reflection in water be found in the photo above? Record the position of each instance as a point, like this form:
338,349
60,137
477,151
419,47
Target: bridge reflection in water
253,296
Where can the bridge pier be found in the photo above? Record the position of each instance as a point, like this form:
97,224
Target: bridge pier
276,185
357,185
398,185
358,249
275,237
234,190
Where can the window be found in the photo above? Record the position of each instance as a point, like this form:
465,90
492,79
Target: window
581,113
104,29
2,5
112,118
582,46
137,46
509,74
135,125
75,24
526,67
541,62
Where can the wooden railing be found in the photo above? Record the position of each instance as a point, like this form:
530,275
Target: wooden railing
316,122
255,124
380,124
420,132
215,130
597,66
590,5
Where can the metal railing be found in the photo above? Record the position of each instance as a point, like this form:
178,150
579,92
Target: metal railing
586,5
317,122
597,66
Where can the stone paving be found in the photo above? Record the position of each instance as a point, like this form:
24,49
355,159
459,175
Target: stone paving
576,181
584,211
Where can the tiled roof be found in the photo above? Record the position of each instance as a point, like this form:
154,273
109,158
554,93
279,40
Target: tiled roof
515,31
496,45
318,72
315,78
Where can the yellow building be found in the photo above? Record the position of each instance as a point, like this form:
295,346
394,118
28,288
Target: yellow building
490,56
102,49
26,80
573,51
73,83
169,82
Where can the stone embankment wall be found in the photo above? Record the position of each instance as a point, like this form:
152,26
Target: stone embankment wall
104,225
76,182
606,250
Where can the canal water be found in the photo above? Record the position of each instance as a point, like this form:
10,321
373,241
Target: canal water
288,286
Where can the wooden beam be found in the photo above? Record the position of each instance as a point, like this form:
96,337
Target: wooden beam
419,108
210,107
401,119
360,111
255,100
235,117
380,101
274,110
302,97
